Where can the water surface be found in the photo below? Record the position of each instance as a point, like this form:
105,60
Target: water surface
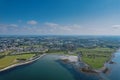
114,73
46,68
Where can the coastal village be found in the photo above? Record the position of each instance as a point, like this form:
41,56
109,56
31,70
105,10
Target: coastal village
91,51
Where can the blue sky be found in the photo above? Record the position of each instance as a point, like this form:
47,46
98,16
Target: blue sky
59,17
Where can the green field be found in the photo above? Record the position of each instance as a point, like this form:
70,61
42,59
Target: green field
96,57
5,52
9,60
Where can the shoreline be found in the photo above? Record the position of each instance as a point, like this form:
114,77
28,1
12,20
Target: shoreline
20,64
86,67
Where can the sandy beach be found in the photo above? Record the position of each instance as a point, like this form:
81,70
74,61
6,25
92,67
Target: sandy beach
70,58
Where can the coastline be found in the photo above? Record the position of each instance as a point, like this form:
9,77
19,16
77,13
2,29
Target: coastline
69,58
19,64
86,67
103,69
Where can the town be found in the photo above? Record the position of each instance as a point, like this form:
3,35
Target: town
21,44
92,48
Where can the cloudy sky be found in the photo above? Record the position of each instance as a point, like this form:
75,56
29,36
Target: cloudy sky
59,17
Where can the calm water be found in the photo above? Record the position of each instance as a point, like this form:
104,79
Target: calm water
49,68
115,68
46,68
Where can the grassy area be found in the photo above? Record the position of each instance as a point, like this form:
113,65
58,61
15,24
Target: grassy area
5,52
62,53
96,57
9,60
55,52
95,63
24,56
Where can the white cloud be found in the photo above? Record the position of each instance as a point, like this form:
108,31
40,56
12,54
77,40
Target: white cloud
58,29
8,28
116,26
8,25
32,22
13,25
71,28
51,24
54,28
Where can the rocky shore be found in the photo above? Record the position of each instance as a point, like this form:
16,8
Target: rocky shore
84,68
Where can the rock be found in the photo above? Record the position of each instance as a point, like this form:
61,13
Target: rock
106,70
111,62
87,70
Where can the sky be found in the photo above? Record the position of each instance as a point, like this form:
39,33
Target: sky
59,17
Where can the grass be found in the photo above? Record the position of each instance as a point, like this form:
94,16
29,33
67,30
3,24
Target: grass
61,53
96,57
9,60
5,52
24,56
56,52
95,63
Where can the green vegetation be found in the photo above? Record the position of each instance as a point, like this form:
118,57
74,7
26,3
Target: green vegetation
24,56
5,52
60,52
9,60
56,52
95,57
